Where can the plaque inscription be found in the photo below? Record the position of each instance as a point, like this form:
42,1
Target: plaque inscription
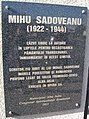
43,57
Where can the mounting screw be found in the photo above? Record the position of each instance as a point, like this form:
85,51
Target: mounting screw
6,7
83,11
77,104
10,112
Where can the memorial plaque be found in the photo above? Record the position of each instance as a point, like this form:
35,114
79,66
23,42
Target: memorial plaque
43,57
